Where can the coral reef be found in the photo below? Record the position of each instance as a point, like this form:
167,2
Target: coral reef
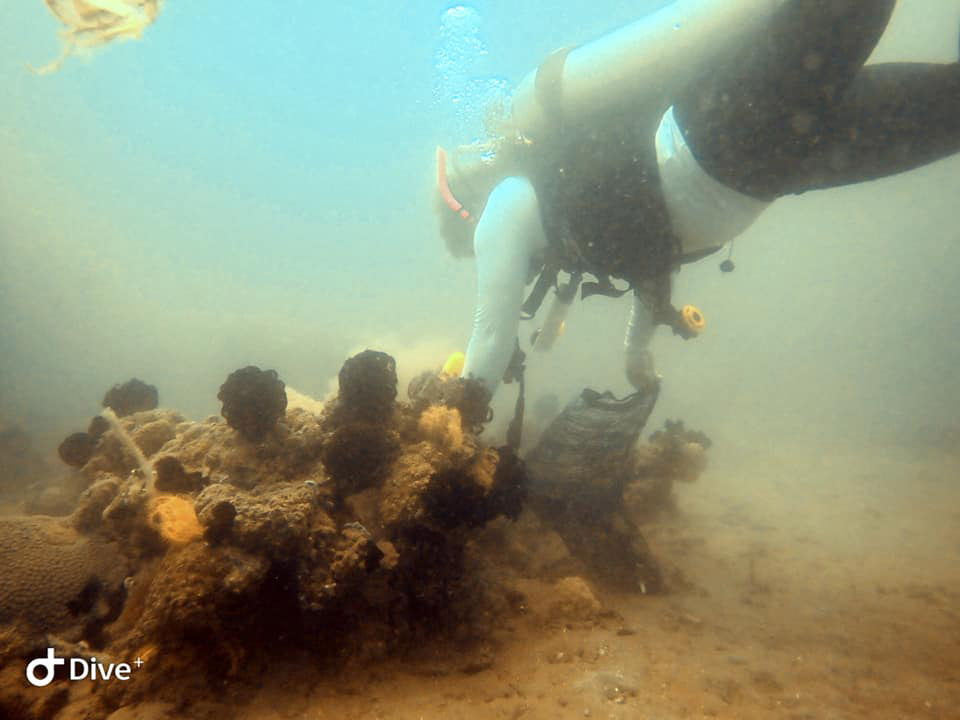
174,518
442,426
132,396
342,534
368,387
579,469
672,455
469,396
77,449
348,534
253,401
363,440
358,454
54,580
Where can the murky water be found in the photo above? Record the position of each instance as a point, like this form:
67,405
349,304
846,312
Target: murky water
255,186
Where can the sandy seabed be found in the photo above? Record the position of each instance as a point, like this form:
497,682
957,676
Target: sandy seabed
803,582
819,586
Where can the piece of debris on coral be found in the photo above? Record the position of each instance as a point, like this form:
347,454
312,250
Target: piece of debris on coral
349,534
579,470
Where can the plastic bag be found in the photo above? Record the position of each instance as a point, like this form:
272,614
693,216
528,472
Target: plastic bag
586,452
90,23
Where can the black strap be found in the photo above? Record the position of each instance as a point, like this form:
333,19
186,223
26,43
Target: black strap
515,371
603,286
568,291
546,280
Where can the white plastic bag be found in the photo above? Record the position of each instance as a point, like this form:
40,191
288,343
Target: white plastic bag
90,23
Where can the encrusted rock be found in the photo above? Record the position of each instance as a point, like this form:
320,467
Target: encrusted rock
275,519
368,387
198,591
253,400
428,486
55,580
152,436
172,477
77,449
467,395
357,455
130,397
88,515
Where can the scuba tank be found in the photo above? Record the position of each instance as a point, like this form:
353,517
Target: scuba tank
554,324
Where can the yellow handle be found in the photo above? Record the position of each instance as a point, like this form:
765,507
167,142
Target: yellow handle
693,319
454,364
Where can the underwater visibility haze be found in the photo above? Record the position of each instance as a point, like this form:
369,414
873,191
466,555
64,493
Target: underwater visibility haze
253,185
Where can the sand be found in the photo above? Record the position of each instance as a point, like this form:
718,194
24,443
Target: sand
819,585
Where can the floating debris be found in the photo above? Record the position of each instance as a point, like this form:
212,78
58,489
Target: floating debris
91,23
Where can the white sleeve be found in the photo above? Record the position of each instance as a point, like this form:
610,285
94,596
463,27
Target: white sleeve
508,235
647,60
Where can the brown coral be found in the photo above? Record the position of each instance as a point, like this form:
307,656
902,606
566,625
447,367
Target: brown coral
132,396
368,387
174,518
253,401
442,426
56,581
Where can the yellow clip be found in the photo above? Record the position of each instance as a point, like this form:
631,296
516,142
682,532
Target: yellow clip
454,364
693,319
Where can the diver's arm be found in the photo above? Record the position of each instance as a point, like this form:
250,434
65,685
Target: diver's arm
640,328
507,236
647,61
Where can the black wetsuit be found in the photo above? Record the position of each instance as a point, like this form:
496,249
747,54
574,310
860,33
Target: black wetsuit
793,110
797,110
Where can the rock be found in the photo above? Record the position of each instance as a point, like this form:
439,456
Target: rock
171,477
573,601
19,700
467,396
196,591
130,397
368,387
253,401
77,449
98,426
54,580
362,507
93,501
428,486
152,436
358,455
275,520
145,711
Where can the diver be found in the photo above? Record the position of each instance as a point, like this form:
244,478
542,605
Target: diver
658,144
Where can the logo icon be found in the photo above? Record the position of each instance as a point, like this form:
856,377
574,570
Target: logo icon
40,672
47,665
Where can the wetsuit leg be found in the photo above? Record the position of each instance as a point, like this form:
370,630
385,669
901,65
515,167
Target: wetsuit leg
753,121
892,118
